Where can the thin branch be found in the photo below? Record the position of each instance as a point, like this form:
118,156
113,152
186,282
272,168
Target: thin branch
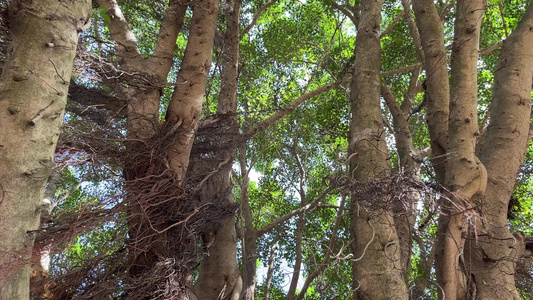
353,17
482,52
256,17
290,108
295,212
392,25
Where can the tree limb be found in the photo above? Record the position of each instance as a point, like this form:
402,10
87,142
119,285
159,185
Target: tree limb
295,212
345,11
392,25
289,108
256,17
121,33
166,40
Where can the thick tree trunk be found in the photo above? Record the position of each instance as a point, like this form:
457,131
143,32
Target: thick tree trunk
376,266
33,94
494,252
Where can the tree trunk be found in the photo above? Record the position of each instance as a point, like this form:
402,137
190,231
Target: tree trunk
376,266
409,161
492,251
33,91
300,225
40,267
249,232
437,89
466,177
219,276
270,271
147,242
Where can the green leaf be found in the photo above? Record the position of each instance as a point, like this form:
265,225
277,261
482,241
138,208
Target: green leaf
102,10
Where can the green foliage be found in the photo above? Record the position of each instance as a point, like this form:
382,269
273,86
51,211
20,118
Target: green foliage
102,12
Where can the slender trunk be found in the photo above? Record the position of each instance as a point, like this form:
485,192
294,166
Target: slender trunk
270,271
409,161
328,256
494,252
249,265
291,295
249,240
33,91
300,226
376,267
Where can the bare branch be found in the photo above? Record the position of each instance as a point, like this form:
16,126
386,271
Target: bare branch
401,70
489,50
415,87
295,212
345,11
290,108
392,25
256,17
392,104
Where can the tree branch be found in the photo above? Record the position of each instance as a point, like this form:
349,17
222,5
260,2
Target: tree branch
482,52
295,212
290,108
345,11
166,40
256,17
414,30
121,33
392,25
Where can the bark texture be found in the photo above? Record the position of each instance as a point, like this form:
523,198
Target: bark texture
376,266
33,93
